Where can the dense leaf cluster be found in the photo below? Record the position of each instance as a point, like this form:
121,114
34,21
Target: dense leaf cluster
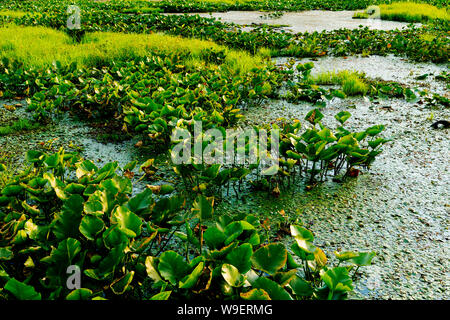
64,211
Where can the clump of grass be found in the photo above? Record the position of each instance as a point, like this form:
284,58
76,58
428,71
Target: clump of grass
408,12
352,83
18,126
412,12
38,47
361,15
12,14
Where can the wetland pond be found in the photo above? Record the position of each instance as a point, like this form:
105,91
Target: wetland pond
400,209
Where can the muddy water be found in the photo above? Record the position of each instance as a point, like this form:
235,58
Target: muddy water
305,21
400,209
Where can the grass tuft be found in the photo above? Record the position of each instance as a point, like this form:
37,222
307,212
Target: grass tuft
18,126
12,14
352,83
408,12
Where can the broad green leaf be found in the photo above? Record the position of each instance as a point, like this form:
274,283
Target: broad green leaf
161,296
232,275
117,185
301,287
75,188
314,116
270,171
142,202
304,238
283,278
21,290
302,253
343,256
291,263
130,166
255,294
214,238
375,143
108,264
128,222
275,291
374,130
240,257
326,135
119,286
270,258
337,279
68,221
151,265
91,226
57,185
343,116
19,238
64,255
203,207
12,190
6,254
99,203
87,167
114,237
34,156
80,294
190,280
363,258
172,267
298,231
220,254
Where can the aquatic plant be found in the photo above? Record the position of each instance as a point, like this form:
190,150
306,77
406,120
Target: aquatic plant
63,213
409,12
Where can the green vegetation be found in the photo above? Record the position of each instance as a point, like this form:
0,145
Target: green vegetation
63,211
38,47
107,17
253,5
12,14
409,12
135,234
352,82
18,126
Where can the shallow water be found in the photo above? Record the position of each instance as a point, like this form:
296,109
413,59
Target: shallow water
400,209
305,21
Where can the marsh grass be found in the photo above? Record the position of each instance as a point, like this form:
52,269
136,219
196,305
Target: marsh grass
408,12
38,47
18,126
352,83
12,14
